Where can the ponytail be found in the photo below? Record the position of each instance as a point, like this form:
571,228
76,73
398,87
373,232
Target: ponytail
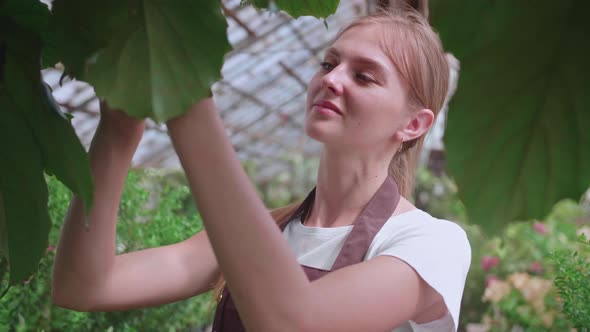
404,164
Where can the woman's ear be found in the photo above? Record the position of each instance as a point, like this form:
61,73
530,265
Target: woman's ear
418,125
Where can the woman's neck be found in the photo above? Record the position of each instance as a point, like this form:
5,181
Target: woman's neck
344,186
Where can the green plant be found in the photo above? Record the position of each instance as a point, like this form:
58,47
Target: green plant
472,307
573,283
523,83
530,267
147,218
439,196
291,184
510,283
35,137
519,103
105,43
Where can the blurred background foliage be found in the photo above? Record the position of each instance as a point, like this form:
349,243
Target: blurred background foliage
154,211
532,276
526,275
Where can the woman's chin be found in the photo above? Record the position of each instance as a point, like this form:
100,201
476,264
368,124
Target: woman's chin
322,135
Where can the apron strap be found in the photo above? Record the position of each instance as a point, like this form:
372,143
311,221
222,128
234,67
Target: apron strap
368,223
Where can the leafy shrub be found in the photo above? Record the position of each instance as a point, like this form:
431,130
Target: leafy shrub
532,276
150,215
573,283
537,274
439,196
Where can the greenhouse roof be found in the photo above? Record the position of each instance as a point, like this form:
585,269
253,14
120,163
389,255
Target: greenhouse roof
261,97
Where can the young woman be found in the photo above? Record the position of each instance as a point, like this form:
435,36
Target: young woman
356,255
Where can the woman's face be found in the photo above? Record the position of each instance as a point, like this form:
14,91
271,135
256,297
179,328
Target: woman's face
356,100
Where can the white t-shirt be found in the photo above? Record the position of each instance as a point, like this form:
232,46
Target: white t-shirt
437,249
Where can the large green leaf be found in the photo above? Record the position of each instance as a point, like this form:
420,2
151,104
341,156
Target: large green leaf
517,137
78,29
317,8
297,8
151,58
3,233
34,136
24,193
30,14
159,57
63,154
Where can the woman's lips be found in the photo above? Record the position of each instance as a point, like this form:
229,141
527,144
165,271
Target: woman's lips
328,106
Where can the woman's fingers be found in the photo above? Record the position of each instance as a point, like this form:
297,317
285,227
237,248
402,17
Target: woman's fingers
119,125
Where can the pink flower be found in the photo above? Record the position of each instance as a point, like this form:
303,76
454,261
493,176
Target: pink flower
536,268
540,228
49,249
490,278
488,262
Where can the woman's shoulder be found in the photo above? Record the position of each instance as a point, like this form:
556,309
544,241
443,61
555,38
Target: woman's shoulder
437,249
417,222
418,235
407,218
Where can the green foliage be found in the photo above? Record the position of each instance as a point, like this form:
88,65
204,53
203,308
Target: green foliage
572,281
515,280
522,272
35,136
317,8
438,195
472,307
156,65
517,137
292,184
532,288
78,29
148,57
151,58
22,210
147,219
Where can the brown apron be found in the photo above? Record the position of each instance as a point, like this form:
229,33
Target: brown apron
377,211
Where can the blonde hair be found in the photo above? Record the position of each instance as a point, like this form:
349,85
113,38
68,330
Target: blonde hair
417,53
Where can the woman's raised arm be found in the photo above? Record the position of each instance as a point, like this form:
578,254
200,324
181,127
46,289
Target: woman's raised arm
87,274
267,284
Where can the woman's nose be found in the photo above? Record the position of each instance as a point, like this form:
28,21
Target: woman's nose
334,80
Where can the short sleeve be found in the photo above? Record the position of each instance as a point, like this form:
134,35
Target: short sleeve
439,251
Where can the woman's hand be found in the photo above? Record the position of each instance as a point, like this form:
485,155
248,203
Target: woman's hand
118,127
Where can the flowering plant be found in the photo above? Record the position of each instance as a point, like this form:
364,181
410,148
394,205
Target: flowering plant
538,274
533,276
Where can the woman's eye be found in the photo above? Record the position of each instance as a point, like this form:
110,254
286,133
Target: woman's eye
326,66
364,78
